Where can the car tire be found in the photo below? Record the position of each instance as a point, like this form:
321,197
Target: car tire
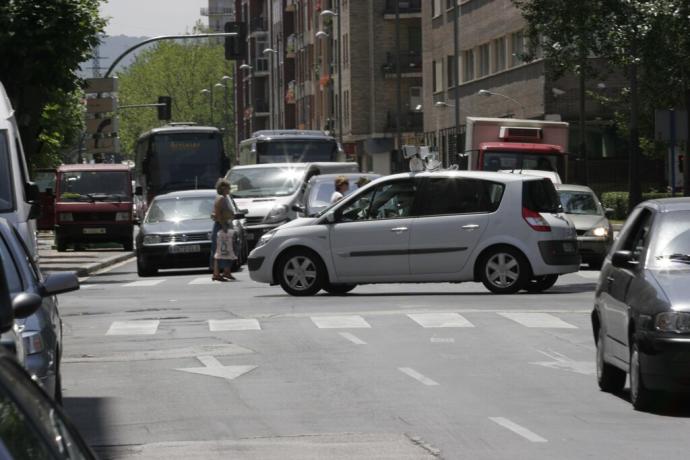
128,245
504,270
640,396
145,268
338,289
610,378
541,283
310,276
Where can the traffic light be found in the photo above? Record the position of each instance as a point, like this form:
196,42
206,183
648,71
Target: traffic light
236,46
165,110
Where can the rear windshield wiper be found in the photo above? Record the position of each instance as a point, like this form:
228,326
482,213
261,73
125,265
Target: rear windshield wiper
683,258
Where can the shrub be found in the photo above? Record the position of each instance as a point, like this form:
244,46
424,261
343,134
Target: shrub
618,201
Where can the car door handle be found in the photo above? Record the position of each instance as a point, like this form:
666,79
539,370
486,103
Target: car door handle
399,229
470,227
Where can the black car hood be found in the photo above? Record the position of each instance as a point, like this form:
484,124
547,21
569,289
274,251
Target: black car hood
675,286
185,226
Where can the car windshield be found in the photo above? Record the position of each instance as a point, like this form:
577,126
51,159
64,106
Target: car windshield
322,191
180,209
6,201
265,182
584,203
671,247
94,186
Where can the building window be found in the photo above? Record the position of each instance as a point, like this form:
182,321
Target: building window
346,46
517,48
435,8
484,60
450,70
499,54
468,65
438,76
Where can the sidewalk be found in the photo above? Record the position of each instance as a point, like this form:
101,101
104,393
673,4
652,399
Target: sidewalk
83,262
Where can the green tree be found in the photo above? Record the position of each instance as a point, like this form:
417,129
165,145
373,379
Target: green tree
180,70
42,44
62,124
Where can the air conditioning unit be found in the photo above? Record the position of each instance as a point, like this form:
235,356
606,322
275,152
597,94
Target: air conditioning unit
517,133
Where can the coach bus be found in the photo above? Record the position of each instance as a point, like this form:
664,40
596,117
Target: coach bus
178,156
289,146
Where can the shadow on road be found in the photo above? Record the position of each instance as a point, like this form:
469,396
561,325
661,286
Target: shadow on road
89,416
666,405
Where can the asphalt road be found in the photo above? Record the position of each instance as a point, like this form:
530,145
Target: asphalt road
177,367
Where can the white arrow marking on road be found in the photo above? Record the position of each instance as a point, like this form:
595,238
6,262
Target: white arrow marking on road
564,363
517,429
215,368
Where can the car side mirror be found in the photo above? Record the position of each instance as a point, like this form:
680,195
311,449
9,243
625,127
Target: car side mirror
25,304
609,213
240,214
138,190
59,283
299,208
623,259
331,217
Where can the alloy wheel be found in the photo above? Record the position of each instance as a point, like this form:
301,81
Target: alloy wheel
502,270
300,273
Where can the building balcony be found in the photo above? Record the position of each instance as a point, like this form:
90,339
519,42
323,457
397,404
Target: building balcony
290,5
407,9
291,47
217,11
410,122
410,64
260,67
257,25
260,108
290,94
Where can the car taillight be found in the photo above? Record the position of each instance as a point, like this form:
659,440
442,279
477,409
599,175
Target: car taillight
535,220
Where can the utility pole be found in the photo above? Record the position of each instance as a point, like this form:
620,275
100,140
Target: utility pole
340,73
456,72
398,89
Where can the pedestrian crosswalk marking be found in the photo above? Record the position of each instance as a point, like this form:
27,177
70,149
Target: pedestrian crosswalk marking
539,320
430,320
133,327
219,325
202,280
144,283
340,322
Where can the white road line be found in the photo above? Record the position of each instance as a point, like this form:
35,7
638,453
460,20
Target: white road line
542,320
417,376
517,429
340,322
428,320
442,340
352,338
219,325
144,283
209,361
202,280
133,327
591,275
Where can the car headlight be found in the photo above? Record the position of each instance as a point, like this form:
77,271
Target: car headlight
265,238
33,342
672,321
66,217
598,231
122,216
152,239
277,214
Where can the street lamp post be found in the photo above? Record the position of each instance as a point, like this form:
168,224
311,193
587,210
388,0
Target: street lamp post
209,93
231,124
270,52
249,95
338,57
487,93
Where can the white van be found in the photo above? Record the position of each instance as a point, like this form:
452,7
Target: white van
270,192
18,196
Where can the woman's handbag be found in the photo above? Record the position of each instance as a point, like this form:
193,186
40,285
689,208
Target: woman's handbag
224,245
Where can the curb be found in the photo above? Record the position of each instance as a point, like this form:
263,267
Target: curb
89,269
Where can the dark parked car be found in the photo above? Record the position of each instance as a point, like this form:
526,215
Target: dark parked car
176,232
40,329
641,316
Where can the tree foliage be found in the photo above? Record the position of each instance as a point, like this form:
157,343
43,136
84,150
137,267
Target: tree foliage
180,70
42,45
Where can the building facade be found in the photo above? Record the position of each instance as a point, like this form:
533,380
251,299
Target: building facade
218,13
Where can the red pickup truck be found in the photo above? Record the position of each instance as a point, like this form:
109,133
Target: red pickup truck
93,204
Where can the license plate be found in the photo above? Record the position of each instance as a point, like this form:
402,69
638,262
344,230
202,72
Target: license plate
94,231
569,247
185,249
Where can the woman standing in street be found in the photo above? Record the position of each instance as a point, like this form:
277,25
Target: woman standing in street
222,216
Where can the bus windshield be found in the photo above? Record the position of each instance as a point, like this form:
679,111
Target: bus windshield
264,182
185,161
94,186
495,161
297,151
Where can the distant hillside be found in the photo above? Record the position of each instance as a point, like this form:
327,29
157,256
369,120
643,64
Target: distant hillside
111,48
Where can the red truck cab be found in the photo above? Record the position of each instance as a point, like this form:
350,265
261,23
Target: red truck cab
93,204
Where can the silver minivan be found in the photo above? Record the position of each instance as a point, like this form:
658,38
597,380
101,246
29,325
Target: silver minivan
18,196
271,193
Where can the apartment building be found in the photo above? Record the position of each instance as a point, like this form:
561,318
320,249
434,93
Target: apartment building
492,45
218,13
